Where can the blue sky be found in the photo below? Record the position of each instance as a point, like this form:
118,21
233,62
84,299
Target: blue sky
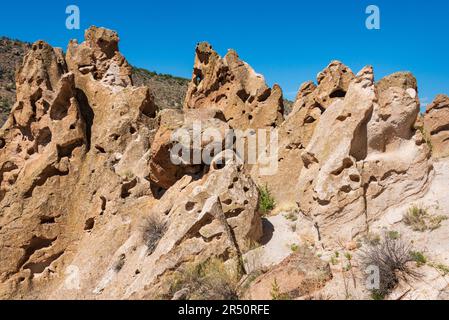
288,42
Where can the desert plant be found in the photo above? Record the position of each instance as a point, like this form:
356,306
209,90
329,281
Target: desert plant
120,263
418,257
415,218
372,239
266,202
420,220
276,292
292,216
210,280
393,235
128,175
153,231
434,222
440,267
391,256
294,247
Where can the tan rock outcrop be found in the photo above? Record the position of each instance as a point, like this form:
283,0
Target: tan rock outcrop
298,276
43,144
92,205
191,129
231,85
297,130
436,126
212,217
364,156
77,183
74,155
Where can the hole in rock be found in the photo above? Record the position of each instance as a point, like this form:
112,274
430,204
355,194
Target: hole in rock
47,220
190,206
44,137
338,94
264,96
87,114
100,149
89,224
243,95
228,202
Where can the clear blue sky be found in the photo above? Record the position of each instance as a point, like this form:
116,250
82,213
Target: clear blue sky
287,41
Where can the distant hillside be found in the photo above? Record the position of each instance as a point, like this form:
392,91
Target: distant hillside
169,91
11,55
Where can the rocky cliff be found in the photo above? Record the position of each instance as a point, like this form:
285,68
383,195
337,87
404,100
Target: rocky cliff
93,205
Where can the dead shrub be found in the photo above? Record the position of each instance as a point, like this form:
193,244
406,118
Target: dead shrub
152,232
210,280
391,256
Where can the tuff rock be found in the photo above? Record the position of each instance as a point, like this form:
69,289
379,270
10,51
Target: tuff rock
436,126
93,207
76,181
231,85
364,156
297,130
190,130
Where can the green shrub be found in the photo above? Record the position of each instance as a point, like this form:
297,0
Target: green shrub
420,220
292,216
393,235
419,258
266,202
276,292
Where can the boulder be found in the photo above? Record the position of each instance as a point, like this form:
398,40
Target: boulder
298,276
43,144
214,217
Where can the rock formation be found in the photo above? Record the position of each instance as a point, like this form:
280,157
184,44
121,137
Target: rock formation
364,156
436,126
176,126
298,276
77,181
104,196
232,86
297,130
